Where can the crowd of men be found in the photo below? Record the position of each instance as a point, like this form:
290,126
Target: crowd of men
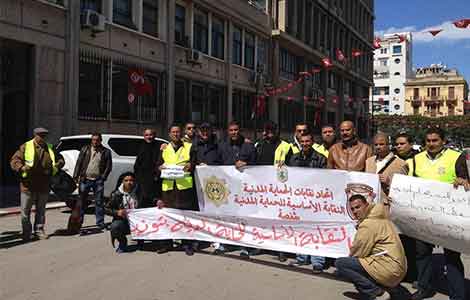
379,258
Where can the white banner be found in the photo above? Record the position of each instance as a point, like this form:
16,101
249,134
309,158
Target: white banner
315,238
290,194
432,211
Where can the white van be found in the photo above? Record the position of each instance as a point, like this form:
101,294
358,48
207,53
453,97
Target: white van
123,148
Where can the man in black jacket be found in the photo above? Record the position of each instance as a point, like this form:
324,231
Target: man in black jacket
145,168
235,150
205,148
404,146
124,198
308,158
93,166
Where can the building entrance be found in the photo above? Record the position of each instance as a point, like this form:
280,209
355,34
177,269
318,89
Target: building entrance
15,94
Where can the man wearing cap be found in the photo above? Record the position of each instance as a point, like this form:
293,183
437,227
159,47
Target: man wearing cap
35,162
205,148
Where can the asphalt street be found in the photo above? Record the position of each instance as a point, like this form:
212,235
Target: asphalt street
86,267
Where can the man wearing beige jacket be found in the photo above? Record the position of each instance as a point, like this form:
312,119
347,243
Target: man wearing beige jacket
377,261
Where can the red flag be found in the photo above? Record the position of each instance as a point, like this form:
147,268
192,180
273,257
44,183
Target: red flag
340,55
381,100
306,98
285,89
140,85
321,99
279,90
290,98
462,23
290,85
305,74
327,62
401,37
335,99
300,80
130,97
435,32
356,53
377,43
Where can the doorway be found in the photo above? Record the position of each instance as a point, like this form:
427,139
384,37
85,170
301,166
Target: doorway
15,91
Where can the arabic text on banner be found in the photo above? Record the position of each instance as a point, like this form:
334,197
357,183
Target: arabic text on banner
290,194
431,211
324,239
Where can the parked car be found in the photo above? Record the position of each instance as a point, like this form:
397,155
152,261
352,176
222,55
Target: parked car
123,148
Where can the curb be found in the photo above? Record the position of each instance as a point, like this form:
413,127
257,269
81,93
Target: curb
17,210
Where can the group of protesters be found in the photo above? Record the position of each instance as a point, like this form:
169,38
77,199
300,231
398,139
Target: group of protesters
379,258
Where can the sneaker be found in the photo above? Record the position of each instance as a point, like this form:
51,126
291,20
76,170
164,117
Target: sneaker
422,294
120,249
188,249
244,254
41,234
317,269
385,296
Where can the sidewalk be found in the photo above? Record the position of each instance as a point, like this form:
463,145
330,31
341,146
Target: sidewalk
16,210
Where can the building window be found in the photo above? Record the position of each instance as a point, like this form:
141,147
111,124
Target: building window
237,46
122,13
381,91
383,62
94,5
218,37
451,92
291,112
180,25
249,50
150,17
416,93
397,49
93,88
332,81
383,51
397,74
397,61
181,96
201,31
397,107
288,64
262,50
397,91
243,108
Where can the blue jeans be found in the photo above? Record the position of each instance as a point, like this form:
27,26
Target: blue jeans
317,261
350,269
455,270
98,188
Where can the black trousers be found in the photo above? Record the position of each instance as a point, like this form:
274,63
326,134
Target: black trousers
454,265
409,244
119,229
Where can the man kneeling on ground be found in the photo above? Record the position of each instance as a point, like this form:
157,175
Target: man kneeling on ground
124,198
377,261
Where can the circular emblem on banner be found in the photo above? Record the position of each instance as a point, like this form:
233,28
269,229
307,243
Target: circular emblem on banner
216,190
282,174
135,77
130,97
358,189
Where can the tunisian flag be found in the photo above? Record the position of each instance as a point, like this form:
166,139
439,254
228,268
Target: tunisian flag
356,53
340,55
377,43
327,62
139,84
464,23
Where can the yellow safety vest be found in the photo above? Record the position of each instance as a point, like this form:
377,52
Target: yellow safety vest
321,149
29,152
180,157
440,169
281,152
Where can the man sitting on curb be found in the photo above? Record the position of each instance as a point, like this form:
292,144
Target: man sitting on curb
377,260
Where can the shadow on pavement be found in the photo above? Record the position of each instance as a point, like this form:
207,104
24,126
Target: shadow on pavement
9,239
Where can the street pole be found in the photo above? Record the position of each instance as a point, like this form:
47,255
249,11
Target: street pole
258,83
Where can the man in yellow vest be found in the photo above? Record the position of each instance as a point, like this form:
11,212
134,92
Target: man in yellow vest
177,185
35,162
445,165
